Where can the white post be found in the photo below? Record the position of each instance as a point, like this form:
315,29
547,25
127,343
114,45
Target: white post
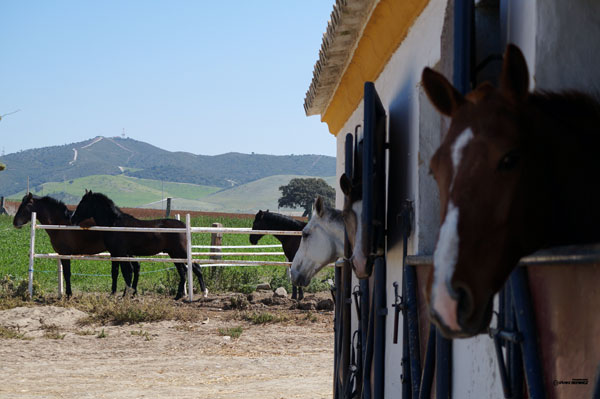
188,234
31,253
60,278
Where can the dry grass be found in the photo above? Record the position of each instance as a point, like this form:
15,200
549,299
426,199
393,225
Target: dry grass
10,333
117,311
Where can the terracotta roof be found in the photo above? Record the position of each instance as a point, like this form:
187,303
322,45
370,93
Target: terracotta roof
347,20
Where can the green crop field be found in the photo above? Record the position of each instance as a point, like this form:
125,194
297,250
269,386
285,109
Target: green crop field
93,276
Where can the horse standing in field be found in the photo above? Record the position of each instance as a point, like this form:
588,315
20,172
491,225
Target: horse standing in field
516,173
124,244
275,221
322,243
66,242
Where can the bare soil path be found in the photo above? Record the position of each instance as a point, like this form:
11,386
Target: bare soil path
59,358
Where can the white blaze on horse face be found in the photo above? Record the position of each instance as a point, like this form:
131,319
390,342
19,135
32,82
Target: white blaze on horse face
359,260
446,250
458,147
444,261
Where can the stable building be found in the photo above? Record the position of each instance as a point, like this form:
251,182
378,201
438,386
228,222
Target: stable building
388,43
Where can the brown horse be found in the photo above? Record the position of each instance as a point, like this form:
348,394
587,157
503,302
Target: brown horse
65,242
124,244
515,173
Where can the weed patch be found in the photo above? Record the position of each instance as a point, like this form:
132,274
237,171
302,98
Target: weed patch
233,332
10,333
115,311
102,334
263,317
143,334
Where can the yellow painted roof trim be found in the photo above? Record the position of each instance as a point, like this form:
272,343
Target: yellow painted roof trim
383,34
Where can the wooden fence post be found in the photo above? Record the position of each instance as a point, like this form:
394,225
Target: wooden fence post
168,212
2,210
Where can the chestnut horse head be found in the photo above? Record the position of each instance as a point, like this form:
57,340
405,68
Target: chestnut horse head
504,170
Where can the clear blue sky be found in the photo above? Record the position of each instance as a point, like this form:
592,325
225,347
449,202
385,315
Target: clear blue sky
206,77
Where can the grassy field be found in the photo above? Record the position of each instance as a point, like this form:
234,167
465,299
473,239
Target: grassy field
125,191
93,276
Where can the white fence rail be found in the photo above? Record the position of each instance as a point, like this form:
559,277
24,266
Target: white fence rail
192,257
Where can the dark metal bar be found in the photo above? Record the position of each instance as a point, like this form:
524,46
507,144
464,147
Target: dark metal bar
429,366
463,38
410,279
502,366
368,359
405,376
364,322
380,309
443,366
337,391
526,325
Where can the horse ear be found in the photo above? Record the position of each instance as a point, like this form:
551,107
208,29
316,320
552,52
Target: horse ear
345,184
444,97
514,79
319,207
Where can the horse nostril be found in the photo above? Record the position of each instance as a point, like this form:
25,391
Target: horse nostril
465,302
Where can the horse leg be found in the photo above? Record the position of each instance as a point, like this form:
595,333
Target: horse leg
115,275
181,270
67,275
300,293
136,276
126,270
198,272
294,292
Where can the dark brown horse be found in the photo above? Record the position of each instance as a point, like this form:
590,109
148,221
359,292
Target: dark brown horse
276,221
516,172
124,244
65,242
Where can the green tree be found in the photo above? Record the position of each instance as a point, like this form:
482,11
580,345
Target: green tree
301,193
2,167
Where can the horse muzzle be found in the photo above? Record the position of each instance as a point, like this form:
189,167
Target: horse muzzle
299,279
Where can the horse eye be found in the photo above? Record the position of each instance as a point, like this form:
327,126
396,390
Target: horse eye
304,234
509,161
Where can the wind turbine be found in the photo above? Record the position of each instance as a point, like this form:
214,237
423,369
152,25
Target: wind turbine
10,113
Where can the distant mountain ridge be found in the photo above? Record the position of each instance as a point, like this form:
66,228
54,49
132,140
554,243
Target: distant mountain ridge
116,155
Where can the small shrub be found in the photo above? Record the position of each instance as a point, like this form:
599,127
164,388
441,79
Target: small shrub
263,317
239,302
233,332
310,316
10,333
116,311
102,334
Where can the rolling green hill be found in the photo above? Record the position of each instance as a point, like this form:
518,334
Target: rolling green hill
247,198
123,156
125,191
133,192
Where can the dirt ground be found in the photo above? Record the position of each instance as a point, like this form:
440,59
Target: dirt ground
287,359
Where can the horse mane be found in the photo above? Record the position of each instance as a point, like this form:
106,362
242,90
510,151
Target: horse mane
283,222
53,202
111,205
333,214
